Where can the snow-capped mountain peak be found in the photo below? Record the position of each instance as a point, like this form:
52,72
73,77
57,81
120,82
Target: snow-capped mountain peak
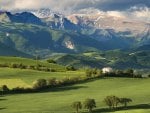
45,13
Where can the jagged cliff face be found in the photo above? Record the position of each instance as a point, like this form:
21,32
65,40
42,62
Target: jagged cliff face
103,26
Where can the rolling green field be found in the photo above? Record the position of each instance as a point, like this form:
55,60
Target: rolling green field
26,61
24,78
60,100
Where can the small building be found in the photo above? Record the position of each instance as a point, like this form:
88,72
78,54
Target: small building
107,70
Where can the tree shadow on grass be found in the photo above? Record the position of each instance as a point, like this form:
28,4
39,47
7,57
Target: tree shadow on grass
2,108
59,89
48,89
2,99
107,110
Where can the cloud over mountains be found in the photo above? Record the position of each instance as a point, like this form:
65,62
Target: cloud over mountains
64,5
132,8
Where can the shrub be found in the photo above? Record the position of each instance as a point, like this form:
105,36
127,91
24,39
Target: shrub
51,61
39,84
4,65
21,66
12,65
70,68
4,88
31,67
88,73
112,101
77,105
65,81
52,82
52,70
89,104
18,89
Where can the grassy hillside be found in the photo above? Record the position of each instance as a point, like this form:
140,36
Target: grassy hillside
24,78
60,101
117,59
26,61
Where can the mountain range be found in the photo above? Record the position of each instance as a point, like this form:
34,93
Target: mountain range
44,32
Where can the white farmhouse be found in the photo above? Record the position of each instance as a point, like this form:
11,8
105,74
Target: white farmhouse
107,70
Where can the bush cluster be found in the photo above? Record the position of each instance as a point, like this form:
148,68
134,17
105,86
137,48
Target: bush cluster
33,67
70,68
87,104
113,101
53,82
42,84
93,72
123,73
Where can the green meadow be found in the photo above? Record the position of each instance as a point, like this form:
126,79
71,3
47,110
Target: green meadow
59,101
25,77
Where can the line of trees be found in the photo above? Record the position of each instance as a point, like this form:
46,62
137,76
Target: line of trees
115,73
42,84
111,101
32,67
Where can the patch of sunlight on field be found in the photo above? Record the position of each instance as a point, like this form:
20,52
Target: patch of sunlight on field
135,111
11,83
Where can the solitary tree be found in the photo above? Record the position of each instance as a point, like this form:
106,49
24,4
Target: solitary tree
39,84
77,105
89,104
125,101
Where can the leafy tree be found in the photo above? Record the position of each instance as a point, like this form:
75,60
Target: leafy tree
94,71
88,73
99,73
70,68
51,61
89,104
112,101
39,84
130,72
52,82
77,105
4,88
108,101
125,101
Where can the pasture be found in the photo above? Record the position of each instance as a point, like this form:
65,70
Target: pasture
59,101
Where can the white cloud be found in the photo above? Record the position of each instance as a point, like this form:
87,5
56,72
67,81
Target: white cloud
116,14
69,5
114,7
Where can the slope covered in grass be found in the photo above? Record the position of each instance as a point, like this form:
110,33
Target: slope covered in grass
24,78
60,100
26,61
